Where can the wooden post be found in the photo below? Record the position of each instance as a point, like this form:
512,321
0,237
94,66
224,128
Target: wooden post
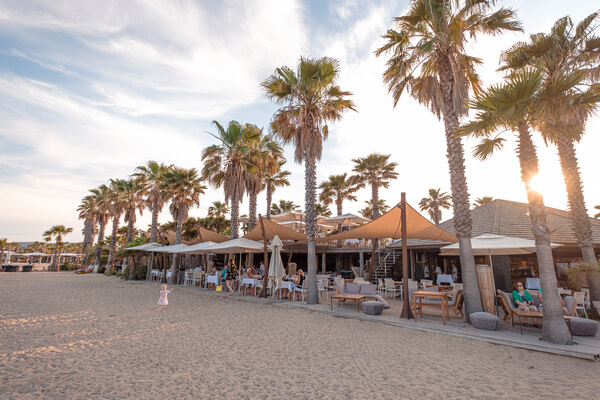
406,311
263,293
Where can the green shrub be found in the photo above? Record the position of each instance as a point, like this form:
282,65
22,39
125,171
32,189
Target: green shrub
113,272
68,266
100,269
125,273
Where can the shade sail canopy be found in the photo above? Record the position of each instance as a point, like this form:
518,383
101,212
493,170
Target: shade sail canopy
272,229
239,245
200,248
346,219
389,225
34,254
143,247
206,235
495,245
168,249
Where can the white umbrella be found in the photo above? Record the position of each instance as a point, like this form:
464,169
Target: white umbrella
168,249
239,245
346,219
275,263
141,247
199,248
495,245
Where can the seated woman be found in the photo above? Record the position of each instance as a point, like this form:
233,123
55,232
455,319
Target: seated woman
299,280
523,301
248,273
213,271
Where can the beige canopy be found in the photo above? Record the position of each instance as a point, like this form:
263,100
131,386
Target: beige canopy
206,235
272,229
389,226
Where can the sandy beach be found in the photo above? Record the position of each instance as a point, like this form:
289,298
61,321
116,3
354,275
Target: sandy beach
80,337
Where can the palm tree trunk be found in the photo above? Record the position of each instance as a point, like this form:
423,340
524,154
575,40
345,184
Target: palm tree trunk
252,211
375,206
154,228
460,193
99,245
175,266
130,226
87,239
338,203
113,244
54,265
555,328
269,200
235,214
310,186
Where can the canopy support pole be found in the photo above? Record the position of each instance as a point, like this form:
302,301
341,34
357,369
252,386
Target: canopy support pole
406,311
263,292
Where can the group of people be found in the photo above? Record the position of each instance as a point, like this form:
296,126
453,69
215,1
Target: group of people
523,301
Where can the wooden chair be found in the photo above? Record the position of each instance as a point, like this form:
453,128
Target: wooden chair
458,305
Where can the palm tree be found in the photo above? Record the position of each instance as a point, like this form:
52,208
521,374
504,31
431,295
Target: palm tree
482,200
435,203
338,188
274,177
57,231
374,170
218,209
264,155
310,99
184,187
322,210
227,165
134,202
117,201
151,176
100,195
283,207
429,60
87,212
3,243
367,212
512,106
567,52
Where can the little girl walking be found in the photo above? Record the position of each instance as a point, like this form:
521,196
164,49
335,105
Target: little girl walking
162,300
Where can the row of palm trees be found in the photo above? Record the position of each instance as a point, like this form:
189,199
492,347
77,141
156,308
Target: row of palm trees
438,201
551,85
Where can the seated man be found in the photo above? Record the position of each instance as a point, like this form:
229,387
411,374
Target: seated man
562,302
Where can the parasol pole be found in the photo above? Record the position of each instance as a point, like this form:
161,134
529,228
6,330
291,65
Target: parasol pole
406,311
263,293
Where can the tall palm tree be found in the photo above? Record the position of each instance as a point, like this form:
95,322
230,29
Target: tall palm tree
567,52
151,177
87,212
184,187
309,99
117,202
134,202
367,212
337,189
218,209
512,106
100,195
57,231
322,210
374,170
482,200
228,165
274,177
264,155
284,206
3,243
434,204
428,59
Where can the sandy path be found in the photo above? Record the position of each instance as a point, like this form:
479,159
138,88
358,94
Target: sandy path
81,337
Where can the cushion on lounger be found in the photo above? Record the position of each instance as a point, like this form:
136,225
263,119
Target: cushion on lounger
569,303
372,307
368,290
483,320
452,301
352,288
380,299
583,327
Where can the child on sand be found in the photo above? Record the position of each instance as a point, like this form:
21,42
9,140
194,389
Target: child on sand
162,300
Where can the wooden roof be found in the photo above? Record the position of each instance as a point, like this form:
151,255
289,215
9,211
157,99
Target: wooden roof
510,218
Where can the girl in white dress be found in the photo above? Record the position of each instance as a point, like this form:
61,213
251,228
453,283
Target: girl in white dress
162,300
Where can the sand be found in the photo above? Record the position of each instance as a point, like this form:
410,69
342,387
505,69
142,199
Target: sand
89,336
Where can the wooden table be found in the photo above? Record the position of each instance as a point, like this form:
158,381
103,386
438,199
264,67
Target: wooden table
443,296
340,297
524,314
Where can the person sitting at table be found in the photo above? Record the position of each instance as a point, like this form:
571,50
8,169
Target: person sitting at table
523,301
299,279
248,273
261,268
562,302
213,271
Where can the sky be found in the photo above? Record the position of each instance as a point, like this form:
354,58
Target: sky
91,89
